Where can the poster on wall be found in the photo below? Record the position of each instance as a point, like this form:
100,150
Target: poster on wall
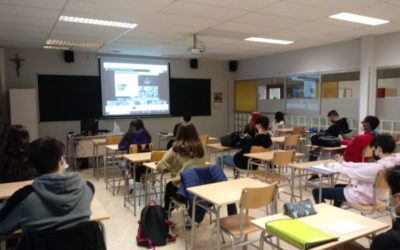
262,92
218,97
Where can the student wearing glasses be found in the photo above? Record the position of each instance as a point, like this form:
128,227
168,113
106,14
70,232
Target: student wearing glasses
362,175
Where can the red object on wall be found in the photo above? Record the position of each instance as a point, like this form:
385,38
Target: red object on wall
380,93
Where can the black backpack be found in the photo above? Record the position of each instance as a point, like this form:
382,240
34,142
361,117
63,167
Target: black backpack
323,140
154,227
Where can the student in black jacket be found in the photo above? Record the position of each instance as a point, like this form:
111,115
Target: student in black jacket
390,240
339,126
185,119
262,138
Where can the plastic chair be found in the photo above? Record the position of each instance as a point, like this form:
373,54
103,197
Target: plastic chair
204,139
239,226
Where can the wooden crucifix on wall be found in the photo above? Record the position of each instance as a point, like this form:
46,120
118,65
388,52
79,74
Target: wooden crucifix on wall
17,60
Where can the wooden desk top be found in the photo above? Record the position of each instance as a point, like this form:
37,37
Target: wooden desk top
138,157
327,214
98,211
303,165
100,141
113,147
153,165
219,147
284,130
226,192
278,139
7,189
329,149
263,156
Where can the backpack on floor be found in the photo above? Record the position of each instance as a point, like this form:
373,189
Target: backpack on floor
154,227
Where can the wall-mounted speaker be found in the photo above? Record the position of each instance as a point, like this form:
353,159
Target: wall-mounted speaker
193,63
68,56
232,66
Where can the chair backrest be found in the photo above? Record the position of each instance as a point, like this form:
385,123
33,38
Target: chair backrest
380,181
367,153
253,198
133,148
204,139
157,155
282,158
88,235
113,139
297,130
291,140
259,149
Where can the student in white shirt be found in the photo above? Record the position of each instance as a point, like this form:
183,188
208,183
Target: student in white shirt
278,123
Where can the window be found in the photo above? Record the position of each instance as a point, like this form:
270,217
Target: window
388,83
302,87
341,85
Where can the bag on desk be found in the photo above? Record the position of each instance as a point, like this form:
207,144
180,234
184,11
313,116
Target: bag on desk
323,140
299,209
231,140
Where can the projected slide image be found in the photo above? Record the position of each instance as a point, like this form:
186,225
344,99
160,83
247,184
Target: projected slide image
134,88
126,84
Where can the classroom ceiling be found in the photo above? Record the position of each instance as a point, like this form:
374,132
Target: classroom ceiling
165,27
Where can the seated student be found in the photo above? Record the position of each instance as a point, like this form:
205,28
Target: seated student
262,138
14,163
390,240
250,128
185,119
278,123
362,175
356,146
55,200
339,126
137,134
187,151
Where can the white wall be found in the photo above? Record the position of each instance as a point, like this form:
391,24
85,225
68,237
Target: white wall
334,57
52,62
388,50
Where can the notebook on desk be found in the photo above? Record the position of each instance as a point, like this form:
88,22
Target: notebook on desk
321,169
298,233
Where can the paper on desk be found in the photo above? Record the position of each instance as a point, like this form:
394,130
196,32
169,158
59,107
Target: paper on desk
321,168
344,227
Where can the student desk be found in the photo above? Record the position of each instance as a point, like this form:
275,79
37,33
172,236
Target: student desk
329,150
96,143
284,130
220,194
303,167
7,189
134,158
217,148
164,137
327,214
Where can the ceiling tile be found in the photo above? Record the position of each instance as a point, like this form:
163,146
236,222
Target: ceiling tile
338,5
297,11
292,35
180,20
250,5
204,11
268,20
320,28
23,11
249,28
384,11
46,4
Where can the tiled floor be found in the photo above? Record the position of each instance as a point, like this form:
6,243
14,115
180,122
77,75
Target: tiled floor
121,229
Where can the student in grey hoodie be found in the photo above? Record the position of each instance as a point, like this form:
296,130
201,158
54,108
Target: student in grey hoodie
55,200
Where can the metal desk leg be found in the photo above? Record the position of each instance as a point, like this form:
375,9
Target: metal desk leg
193,221
161,189
218,227
95,160
292,185
105,167
320,188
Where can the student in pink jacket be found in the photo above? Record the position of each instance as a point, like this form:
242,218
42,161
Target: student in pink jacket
362,175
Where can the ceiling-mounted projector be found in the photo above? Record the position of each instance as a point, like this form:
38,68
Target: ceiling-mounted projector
198,46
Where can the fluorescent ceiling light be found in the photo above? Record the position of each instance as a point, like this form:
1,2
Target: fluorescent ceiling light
55,47
267,40
88,45
84,20
359,19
